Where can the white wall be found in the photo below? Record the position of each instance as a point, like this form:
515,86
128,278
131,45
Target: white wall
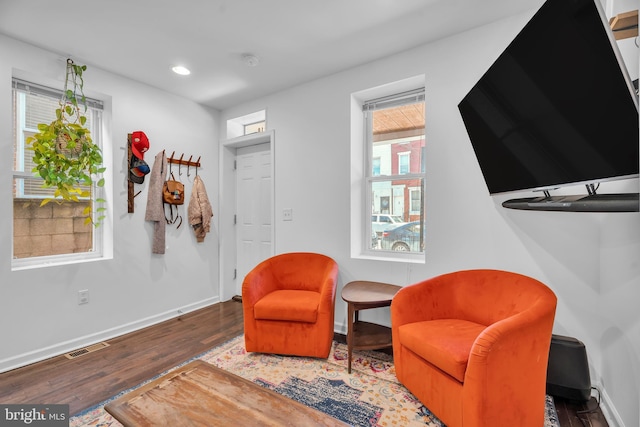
591,261
39,313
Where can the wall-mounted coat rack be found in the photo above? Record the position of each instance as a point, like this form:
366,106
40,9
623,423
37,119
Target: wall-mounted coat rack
181,161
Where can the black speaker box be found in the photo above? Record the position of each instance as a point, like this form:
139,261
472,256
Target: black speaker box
568,369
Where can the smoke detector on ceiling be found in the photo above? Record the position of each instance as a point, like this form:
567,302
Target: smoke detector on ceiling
250,59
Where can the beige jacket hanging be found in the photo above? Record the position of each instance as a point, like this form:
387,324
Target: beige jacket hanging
199,210
155,206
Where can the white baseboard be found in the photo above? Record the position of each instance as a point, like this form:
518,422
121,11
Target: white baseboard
609,410
39,355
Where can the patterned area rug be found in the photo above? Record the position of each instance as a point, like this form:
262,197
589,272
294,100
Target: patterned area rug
369,396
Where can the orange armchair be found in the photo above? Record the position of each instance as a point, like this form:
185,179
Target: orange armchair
288,304
473,346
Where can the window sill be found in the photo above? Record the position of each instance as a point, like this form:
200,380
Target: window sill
38,262
412,258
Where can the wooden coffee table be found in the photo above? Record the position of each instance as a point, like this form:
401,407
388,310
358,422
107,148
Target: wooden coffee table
199,394
361,295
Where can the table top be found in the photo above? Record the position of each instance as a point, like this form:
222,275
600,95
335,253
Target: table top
366,292
199,394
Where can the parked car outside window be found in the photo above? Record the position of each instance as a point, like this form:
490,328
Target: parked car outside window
405,237
375,240
382,222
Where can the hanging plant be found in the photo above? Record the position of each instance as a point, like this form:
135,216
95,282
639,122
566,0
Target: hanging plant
64,154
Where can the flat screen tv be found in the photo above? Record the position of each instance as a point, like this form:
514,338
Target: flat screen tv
556,108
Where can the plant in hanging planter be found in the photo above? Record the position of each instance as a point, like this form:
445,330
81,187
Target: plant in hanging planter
64,154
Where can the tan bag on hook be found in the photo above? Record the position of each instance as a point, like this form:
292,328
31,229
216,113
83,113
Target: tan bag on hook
173,191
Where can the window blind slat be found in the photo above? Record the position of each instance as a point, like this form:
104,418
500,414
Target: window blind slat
408,97
37,89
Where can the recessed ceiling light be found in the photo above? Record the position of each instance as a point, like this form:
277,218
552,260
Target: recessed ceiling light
179,69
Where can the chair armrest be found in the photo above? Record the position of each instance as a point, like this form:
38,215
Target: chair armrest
258,283
328,288
426,300
512,351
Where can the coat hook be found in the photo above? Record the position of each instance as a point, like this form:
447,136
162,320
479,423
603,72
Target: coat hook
180,164
189,165
197,164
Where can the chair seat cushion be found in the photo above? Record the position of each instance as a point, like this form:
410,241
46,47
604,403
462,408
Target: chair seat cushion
445,343
288,305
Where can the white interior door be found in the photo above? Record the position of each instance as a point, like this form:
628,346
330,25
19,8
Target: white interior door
253,208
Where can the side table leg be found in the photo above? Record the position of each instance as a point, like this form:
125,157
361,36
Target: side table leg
350,321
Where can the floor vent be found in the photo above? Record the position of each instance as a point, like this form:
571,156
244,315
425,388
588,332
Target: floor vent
86,350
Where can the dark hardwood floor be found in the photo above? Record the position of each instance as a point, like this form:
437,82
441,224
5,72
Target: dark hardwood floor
138,356
569,413
128,361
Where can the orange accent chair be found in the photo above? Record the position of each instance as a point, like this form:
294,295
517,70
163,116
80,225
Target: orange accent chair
473,346
288,304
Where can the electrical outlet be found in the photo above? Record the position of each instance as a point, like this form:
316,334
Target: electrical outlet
83,297
287,214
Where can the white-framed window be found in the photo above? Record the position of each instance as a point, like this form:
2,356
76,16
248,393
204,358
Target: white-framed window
248,124
256,127
56,232
403,163
415,204
394,175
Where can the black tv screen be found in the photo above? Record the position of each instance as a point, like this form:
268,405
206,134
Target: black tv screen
556,107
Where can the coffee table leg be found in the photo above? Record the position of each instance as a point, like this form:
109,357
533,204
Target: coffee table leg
350,316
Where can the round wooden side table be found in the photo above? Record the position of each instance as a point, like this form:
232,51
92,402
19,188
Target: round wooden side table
362,295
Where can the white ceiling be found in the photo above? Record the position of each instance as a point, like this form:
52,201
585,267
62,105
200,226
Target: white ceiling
295,40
